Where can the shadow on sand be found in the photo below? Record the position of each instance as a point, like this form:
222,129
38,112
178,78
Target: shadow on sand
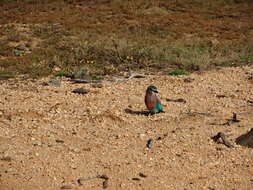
138,112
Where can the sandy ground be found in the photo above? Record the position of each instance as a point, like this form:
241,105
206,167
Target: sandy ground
50,137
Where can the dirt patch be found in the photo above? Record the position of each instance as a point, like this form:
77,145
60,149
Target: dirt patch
51,137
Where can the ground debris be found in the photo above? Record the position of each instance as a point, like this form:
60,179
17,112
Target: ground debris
136,179
234,118
224,139
142,175
81,180
150,143
80,91
176,100
246,139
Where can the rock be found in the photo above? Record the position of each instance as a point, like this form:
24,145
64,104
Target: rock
142,175
105,184
150,142
59,141
80,91
81,181
246,139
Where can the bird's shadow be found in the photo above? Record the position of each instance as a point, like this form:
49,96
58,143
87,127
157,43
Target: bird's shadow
146,113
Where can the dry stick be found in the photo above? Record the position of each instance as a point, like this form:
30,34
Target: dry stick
133,75
103,176
85,81
224,139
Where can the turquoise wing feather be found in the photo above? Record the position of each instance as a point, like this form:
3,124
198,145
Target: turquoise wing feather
158,108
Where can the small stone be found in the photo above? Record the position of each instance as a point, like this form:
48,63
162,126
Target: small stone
150,142
59,141
136,179
66,187
81,181
142,175
103,176
105,184
80,91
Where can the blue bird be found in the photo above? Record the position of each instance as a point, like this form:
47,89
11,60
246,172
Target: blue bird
152,102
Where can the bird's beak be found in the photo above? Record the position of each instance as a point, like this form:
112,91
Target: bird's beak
155,91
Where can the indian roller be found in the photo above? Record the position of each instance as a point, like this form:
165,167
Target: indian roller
152,102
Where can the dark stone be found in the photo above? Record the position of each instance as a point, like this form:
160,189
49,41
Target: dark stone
80,91
246,139
150,142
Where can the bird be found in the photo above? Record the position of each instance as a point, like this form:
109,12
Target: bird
152,102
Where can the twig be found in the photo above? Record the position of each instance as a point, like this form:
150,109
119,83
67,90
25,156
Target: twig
85,81
133,75
223,138
103,176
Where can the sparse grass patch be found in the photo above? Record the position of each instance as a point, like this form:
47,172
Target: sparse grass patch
94,77
141,42
6,75
177,72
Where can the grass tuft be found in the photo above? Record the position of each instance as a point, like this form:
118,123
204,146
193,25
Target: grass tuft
177,72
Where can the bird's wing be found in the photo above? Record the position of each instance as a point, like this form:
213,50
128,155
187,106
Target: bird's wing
159,106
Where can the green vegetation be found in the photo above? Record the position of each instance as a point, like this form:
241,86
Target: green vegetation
6,75
143,41
177,72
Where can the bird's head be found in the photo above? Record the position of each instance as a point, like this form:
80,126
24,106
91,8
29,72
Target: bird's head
152,89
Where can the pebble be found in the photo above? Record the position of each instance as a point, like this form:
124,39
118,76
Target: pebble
59,141
105,184
150,143
136,179
142,175
81,181
80,91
